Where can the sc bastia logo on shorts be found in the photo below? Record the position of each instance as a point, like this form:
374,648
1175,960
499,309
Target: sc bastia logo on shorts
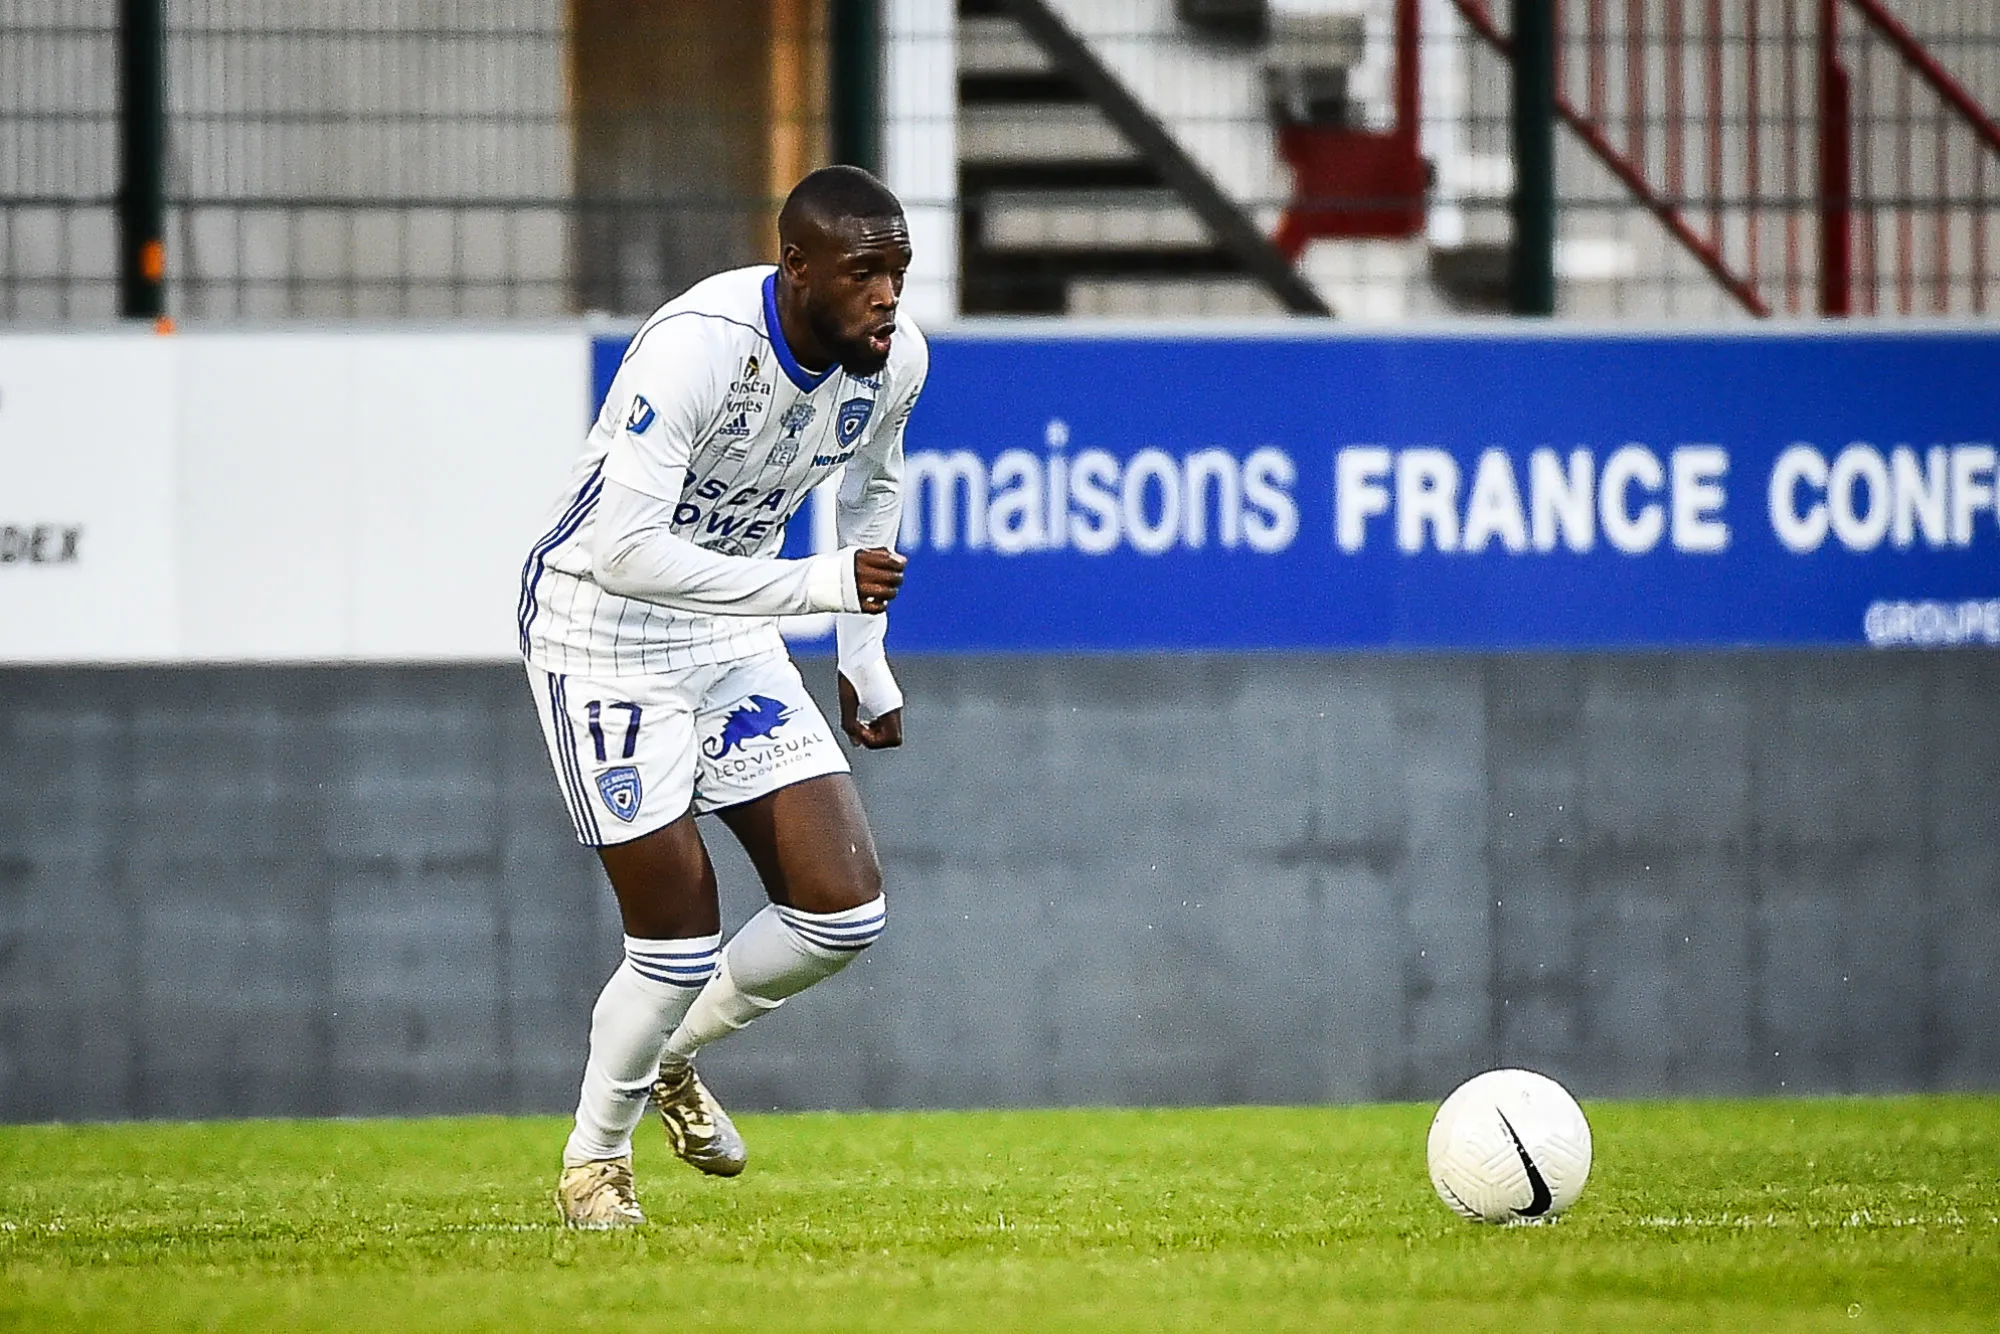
641,415
621,791
757,718
853,416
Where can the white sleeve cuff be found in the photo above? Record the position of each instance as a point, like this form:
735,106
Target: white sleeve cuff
859,640
875,687
830,582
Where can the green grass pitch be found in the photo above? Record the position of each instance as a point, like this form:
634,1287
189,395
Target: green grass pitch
1796,1215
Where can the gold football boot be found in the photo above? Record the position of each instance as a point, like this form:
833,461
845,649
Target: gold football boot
598,1195
698,1130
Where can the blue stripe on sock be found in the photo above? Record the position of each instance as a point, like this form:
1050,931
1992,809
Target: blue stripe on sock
849,936
836,928
827,938
686,977
695,959
832,920
686,967
691,978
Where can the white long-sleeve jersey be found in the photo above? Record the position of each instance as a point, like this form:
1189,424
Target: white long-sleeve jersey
661,551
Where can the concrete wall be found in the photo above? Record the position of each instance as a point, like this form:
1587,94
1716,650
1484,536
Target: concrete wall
1223,879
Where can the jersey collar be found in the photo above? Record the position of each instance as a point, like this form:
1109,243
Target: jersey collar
806,380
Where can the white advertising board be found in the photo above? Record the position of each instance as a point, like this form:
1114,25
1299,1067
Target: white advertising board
278,497
87,549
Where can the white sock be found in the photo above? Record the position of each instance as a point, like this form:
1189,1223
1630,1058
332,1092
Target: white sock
778,953
636,1010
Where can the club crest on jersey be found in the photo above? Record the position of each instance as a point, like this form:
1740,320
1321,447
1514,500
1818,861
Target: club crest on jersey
641,416
853,417
754,719
795,419
621,791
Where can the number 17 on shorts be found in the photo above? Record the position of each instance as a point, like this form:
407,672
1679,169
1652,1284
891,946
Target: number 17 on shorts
633,754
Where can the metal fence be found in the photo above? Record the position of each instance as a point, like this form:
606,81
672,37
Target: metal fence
58,160
418,158
437,158
1373,140
1830,155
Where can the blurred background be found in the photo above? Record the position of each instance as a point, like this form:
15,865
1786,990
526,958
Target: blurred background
1130,158
277,833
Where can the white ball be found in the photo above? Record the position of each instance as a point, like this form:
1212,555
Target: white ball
1509,1145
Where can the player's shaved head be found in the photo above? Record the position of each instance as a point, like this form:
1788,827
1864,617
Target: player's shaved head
843,247
830,197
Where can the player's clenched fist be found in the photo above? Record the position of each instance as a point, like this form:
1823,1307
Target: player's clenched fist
878,575
881,733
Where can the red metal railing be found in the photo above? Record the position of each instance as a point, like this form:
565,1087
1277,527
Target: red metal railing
1721,112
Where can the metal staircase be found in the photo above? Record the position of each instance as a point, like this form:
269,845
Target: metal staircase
1051,194
1068,186
1805,155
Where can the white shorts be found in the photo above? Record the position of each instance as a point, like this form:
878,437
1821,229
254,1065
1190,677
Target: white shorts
635,753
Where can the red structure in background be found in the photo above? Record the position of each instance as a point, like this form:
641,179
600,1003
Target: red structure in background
1349,183
1966,112
1836,171
1860,216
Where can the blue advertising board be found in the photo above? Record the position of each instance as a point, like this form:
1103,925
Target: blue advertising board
1497,490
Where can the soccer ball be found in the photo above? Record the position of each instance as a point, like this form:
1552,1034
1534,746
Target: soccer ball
1509,1146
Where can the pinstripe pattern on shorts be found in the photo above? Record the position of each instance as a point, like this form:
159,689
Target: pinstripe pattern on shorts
570,769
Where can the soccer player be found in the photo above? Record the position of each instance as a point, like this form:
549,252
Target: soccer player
647,619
